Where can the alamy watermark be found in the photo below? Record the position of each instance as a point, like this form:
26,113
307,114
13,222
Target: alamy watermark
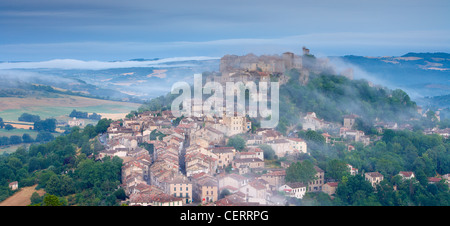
214,105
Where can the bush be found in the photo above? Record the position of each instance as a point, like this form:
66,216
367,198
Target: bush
25,117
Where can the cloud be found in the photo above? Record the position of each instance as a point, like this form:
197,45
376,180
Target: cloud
327,44
98,65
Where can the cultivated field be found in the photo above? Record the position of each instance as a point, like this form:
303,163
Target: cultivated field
12,107
22,197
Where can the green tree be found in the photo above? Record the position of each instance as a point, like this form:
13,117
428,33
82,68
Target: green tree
45,125
35,198
315,137
60,185
51,200
44,136
237,142
27,138
4,140
15,163
102,125
15,139
336,169
9,127
300,172
90,131
224,193
120,194
355,191
25,117
269,153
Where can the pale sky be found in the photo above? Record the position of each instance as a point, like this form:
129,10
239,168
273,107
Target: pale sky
43,30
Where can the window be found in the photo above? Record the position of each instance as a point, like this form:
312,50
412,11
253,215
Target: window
175,188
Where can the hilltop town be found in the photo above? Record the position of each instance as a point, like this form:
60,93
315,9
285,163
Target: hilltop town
188,160
190,163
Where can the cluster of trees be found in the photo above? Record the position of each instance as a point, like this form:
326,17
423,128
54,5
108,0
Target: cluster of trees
156,135
303,172
80,114
425,155
5,126
70,175
25,117
43,126
15,139
160,103
48,125
332,96
268,152
43,136
237,142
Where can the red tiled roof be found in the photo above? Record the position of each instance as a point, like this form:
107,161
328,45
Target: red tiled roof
332,184
276,173
296,139
374,174
434,179
406,173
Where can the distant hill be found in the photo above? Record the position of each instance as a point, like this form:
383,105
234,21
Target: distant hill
136,79
419,74
428,55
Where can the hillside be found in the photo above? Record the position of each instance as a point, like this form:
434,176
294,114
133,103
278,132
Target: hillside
330,97
419,74
133,80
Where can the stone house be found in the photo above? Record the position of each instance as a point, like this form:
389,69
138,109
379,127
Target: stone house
256,191
374,178
248,162
233,182
349,121
330,188
225,155
282,147
180,187
274,178
205,188
13,185
316,185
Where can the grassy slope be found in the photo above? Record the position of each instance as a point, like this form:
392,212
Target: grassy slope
12,107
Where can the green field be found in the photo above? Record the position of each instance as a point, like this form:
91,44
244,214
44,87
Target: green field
59,112
17,132
11,148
